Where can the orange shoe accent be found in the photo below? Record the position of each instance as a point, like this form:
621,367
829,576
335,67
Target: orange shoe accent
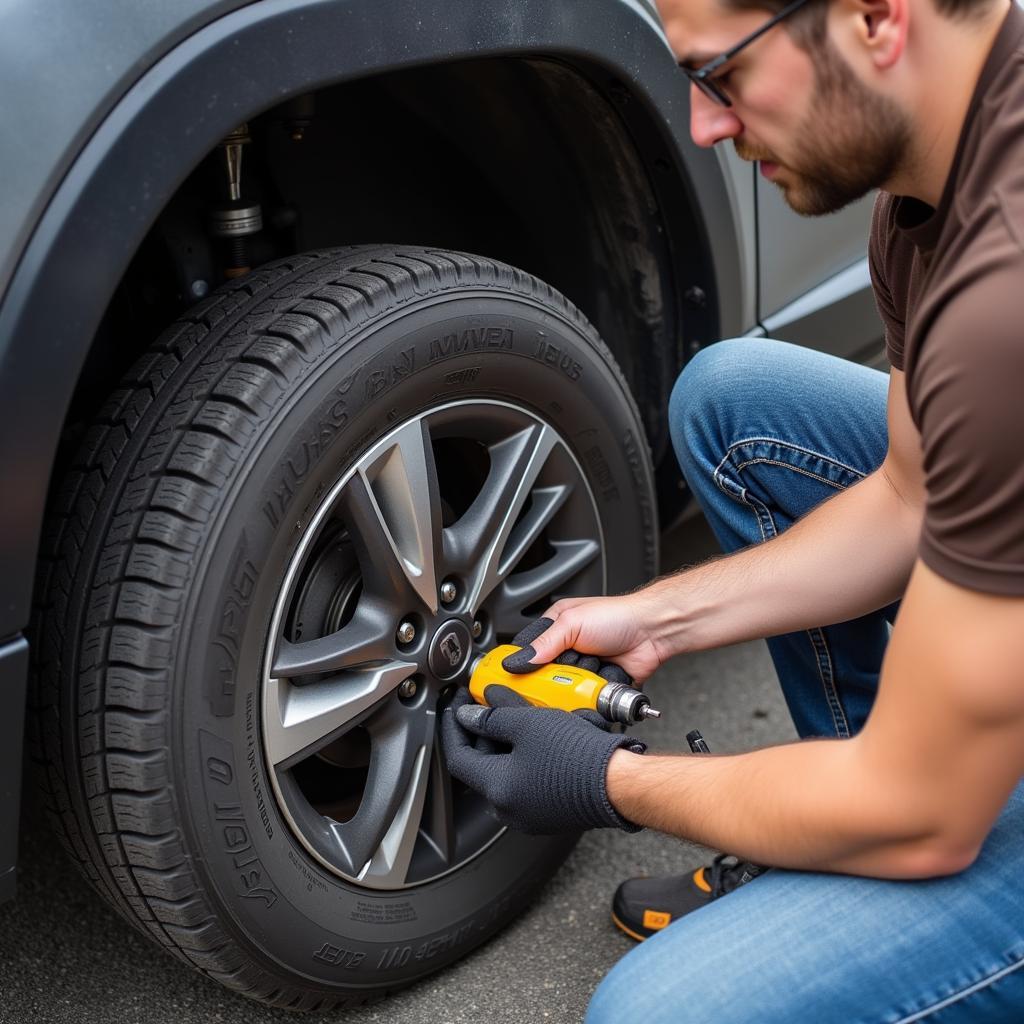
700,881
629,931
656,919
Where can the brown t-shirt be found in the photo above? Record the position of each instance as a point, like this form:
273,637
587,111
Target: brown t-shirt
949,283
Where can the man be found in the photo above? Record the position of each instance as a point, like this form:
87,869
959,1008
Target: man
895,828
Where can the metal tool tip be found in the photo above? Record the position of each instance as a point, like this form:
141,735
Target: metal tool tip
650,712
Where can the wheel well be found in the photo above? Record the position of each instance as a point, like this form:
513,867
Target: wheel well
551,167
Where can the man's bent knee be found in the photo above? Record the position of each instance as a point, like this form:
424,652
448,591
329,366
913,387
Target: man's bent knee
710,372
702,392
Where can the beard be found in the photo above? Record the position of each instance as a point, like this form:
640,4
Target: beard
852,141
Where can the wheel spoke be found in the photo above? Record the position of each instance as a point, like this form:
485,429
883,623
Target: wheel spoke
303,719
378,842
439,823
478,541
523,589
393,511
365,639
546,502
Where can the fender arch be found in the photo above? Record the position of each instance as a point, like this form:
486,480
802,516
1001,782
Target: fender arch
229,71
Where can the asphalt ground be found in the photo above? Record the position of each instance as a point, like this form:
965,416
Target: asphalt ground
66,957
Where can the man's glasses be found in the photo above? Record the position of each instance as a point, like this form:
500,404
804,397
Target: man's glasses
702,77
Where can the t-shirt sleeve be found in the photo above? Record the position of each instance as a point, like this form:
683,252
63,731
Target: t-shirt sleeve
881,267
968,395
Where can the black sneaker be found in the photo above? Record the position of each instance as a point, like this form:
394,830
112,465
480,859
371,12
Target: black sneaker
643,906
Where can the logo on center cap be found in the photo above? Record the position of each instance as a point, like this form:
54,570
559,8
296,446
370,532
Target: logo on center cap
451,649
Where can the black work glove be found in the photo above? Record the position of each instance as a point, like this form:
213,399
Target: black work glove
520,661
551,775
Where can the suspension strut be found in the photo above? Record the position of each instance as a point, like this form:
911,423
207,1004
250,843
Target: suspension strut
237,220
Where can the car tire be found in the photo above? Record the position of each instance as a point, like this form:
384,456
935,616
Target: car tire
252,538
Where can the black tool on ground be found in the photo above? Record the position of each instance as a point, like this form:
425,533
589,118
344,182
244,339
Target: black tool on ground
696,741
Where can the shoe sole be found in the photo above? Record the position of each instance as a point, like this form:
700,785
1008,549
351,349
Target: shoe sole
628,931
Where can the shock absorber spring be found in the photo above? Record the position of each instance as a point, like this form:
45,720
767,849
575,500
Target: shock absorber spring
237,220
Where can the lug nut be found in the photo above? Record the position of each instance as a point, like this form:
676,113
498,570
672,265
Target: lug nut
406,634
407,689
477,628
448,592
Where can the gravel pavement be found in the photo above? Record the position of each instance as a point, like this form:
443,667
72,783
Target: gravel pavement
65,957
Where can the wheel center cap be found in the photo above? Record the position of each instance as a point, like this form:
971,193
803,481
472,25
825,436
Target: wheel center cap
450,650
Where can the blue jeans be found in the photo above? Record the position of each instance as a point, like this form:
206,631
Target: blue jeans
764,431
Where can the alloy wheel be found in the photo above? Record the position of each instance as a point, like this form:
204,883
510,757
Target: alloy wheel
446,537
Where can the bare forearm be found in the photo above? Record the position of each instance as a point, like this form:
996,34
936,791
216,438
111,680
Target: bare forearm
804,806
850,555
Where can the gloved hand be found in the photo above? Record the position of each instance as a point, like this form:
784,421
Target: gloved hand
549,777
522,660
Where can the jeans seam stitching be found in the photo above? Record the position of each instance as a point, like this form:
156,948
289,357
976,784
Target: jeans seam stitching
827,675
721,480
796,469
969,990
718,474
761,510
796,448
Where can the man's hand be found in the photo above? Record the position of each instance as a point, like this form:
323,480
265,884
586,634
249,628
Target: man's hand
548,775
586,630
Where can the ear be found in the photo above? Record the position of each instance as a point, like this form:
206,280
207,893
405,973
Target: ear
876,28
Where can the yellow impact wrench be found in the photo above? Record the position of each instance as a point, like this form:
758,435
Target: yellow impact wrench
564,687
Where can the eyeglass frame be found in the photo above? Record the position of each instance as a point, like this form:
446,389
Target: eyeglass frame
701,77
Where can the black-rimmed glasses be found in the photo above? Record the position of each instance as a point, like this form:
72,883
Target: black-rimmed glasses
702,76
